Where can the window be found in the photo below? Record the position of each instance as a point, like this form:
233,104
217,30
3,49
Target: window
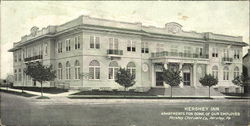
59,71
67,43
226,90
226,53
113,43
15,74
236,54
77,69
40,52
59,47
132,68
19,75
68,75
94,70
131,46
174,50
237,90
15,57
215,72
215,52
77,42
159,47
236,72
226,73
20,55
46,48
113,69
187,51
94,42
144,47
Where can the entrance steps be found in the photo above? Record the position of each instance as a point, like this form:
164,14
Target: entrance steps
184,91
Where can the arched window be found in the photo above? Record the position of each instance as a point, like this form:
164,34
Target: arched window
77,69
226,73
215,71
59,71
68,75
94,70
236,72
113,69
132,68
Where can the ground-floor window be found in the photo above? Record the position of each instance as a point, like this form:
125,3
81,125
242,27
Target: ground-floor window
226,73
236,72
186,79
215,72
94,70
68,73
226,90
113,69
237,90
132,68
77,70
59,71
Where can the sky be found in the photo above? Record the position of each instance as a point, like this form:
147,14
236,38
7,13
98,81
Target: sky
17,18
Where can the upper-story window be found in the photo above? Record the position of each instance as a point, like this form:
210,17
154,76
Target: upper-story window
226,53
59,47
46,48
20,55
174,50
187,51
15,57
215,52
226,73
67,43
159,47
131,46
77,42
144,47
199,51
113,43
236,54
94,42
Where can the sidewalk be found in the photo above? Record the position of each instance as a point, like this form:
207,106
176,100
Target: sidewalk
64,94
68,95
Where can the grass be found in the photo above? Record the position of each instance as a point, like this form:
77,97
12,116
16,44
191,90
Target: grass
43,97
114,93
18,93
50,90
130,97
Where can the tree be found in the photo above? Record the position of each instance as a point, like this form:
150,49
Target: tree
172,78
241,81
40,73
208,80
125,78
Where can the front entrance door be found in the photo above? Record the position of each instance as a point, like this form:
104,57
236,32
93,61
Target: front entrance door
159,79
186,79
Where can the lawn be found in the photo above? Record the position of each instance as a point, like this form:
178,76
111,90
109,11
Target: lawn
115,93
50,90
18,93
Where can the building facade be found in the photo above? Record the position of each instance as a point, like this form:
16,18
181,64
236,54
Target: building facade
87,52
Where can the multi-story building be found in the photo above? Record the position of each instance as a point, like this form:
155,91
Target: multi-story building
87,52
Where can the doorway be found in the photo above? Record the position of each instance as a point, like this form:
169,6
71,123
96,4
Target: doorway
186,79
159,79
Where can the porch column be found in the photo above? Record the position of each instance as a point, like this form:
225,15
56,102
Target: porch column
153,75
180,68
194,74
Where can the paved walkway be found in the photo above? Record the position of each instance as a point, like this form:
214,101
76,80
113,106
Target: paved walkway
62,97
64,94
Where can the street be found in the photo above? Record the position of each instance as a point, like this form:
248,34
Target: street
24,111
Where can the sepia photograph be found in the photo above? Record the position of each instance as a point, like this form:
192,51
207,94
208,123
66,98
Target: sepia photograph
124,63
